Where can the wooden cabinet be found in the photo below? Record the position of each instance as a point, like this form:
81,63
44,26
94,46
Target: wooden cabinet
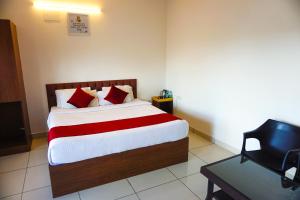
165,104
15,134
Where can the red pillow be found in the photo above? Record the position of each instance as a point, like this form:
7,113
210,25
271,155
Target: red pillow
80,98
116,95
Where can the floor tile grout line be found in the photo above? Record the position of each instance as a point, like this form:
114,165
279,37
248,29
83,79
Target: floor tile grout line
37,165
186,177
177,179
199,136
128,195
201,146
132,188
35,189
22,168
194,173
207,162
25,180
25,176
189,189
39,149
212,144
190,175
158,185
172,173
130,185
199,158
11,195
28,159
138,196
6,157
6,172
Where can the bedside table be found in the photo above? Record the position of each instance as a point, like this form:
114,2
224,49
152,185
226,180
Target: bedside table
165,104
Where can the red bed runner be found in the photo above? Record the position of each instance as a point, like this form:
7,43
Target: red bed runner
102,127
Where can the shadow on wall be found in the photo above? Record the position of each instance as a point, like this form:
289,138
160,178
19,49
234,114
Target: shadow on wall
296,2
200,125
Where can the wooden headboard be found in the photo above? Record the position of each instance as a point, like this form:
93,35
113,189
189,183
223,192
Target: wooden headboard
95,85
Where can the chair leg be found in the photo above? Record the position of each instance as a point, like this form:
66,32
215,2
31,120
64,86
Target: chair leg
243,159
298,167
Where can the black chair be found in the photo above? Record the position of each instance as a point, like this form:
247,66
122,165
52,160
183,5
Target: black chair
280,146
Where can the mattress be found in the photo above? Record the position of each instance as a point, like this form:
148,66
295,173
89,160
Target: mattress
77,148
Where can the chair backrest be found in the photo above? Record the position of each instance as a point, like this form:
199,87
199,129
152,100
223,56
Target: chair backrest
279,137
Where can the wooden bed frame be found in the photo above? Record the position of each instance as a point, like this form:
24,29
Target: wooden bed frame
73,177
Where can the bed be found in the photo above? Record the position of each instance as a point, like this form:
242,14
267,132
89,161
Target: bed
81,162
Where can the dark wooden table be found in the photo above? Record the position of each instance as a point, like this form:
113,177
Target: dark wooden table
247,180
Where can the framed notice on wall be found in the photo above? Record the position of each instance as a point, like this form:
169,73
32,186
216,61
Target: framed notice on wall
78,24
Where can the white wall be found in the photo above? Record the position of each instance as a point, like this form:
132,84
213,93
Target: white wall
126,41
233,64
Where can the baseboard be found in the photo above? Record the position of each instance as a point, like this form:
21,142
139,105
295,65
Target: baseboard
39,135
227,147
216,141
207,137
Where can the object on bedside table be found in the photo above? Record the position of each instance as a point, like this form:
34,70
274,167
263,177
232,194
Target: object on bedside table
165,104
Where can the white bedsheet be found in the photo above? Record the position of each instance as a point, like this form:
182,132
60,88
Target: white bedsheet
72,149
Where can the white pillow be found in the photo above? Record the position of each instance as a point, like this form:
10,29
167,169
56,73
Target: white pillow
101,95
95,101
126,88
62,96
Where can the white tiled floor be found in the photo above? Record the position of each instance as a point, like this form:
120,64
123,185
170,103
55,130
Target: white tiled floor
193,182
13,162
131,197
174,190
37,177
45,193
109,191
26,177
211,153
151,179
188,168
38,157
14,197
